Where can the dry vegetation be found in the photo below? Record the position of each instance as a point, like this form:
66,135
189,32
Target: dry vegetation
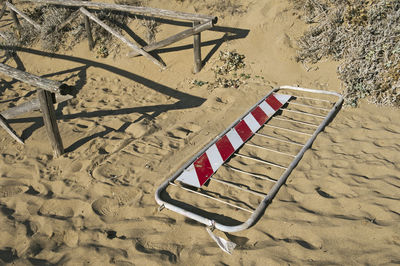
50,39
364,35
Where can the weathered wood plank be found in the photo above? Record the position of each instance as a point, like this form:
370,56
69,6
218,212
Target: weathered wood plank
4,124
46,84
50,122
175,38
30,106
148,11
122,38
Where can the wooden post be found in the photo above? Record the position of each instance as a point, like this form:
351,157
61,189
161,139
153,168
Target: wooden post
4,124
3,10
89,33
15,20
197,50
50,122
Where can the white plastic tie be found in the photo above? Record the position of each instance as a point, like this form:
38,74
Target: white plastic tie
225,245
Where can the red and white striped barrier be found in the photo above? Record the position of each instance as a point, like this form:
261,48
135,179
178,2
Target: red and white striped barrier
208,163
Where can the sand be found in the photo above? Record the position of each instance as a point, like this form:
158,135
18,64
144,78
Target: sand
132,125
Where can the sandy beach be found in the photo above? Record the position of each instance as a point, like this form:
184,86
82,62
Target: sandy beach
132,125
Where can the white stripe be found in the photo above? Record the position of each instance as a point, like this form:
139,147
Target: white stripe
214,157
267,109
189,176
282,98
252,122
234,138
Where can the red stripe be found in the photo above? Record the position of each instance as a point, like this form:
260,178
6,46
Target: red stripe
243,130
273,102
259,115
203,168
225,147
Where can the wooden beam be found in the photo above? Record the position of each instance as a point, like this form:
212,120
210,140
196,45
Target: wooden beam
4,124
50,122
88,29
175,38
148,11
30,106
46,84
122,38
28,19
73,16
197,50
16,21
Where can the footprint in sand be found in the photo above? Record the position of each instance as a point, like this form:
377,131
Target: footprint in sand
182,132
12,190
105,206
61,209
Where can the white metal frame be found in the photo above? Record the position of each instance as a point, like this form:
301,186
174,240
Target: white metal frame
267,197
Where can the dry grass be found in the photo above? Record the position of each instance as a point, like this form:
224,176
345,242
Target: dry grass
365,37
52,40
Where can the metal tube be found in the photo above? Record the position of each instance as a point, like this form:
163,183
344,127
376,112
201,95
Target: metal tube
207,196
310,106
304,113
248,173
261,147
260,161
290,130
238,187
286,141
295,121
310,98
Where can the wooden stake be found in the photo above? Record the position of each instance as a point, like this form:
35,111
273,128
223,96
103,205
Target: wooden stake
4,124
197,50
122,38
50,122
89,33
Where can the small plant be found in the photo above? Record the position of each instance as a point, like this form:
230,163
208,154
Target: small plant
102,51
364,35
229,82
232,61
199,82
223,7
151,27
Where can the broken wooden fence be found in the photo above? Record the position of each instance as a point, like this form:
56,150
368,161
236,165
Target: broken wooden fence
200,23
48,89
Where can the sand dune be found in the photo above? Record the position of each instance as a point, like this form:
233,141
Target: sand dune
131,126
